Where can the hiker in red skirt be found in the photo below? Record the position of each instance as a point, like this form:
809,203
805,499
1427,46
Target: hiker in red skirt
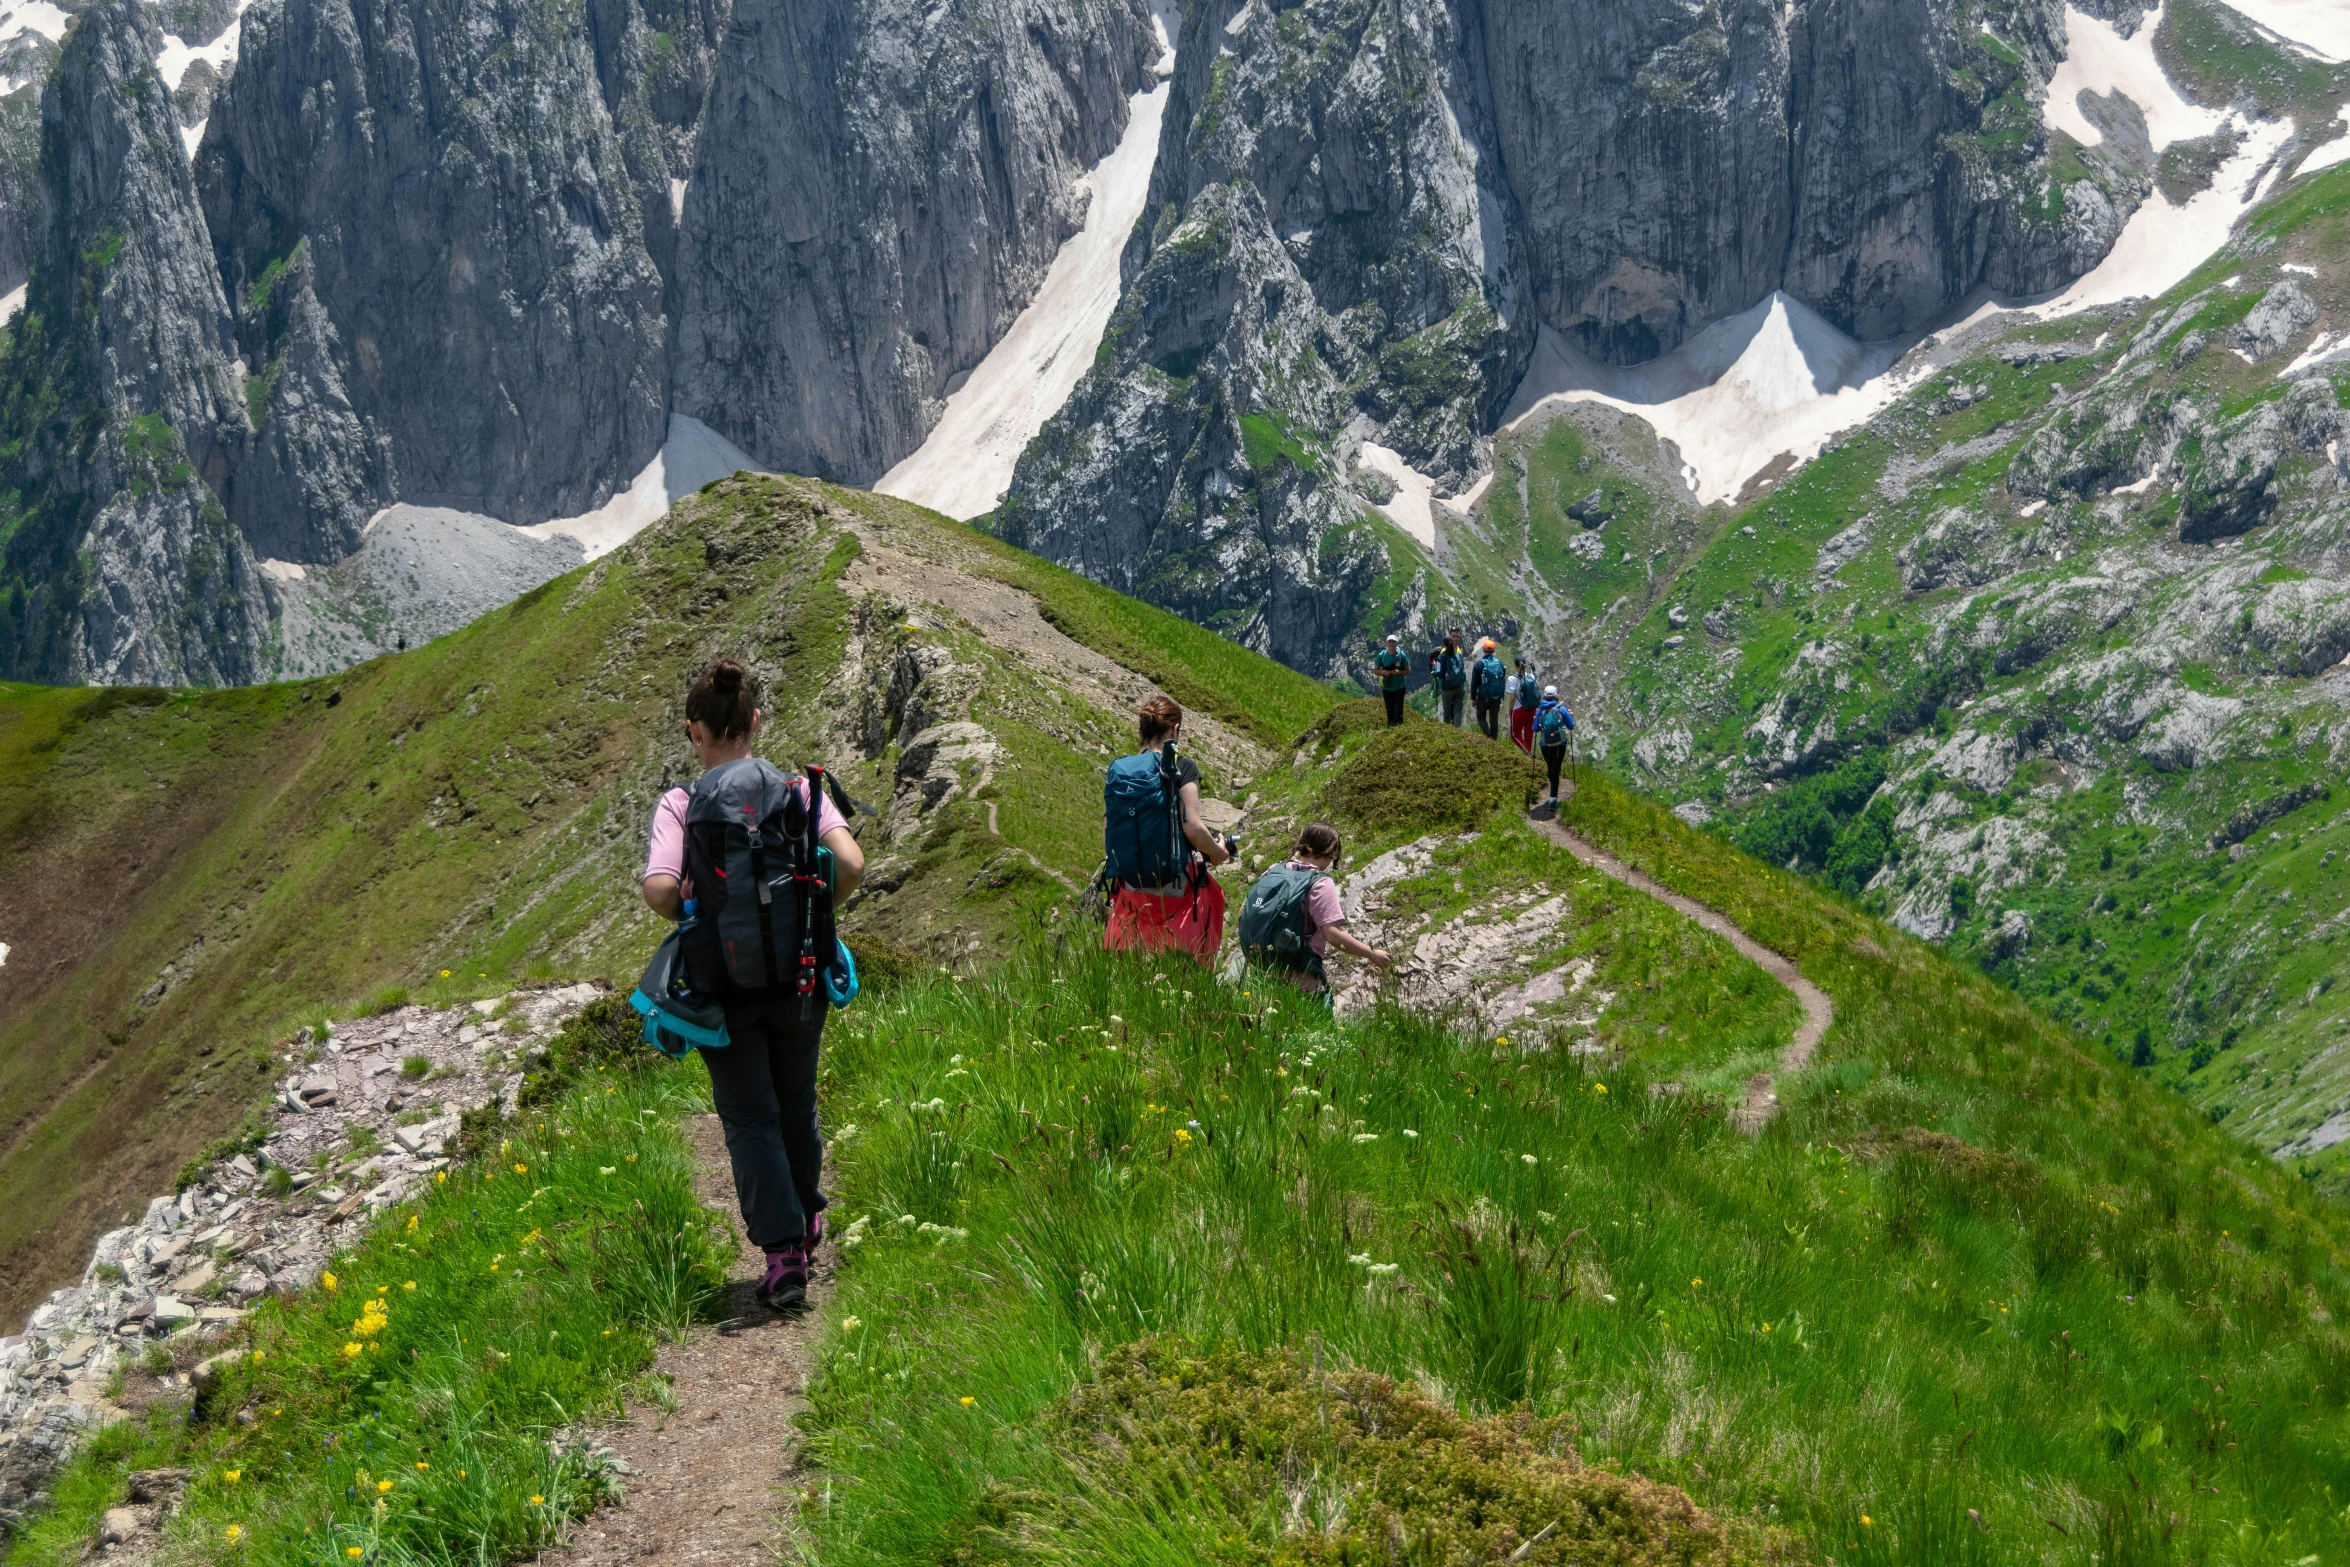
1157,847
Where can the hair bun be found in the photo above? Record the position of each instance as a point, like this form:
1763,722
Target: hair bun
726,677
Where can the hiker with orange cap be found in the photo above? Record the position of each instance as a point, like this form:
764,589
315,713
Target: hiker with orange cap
1489,683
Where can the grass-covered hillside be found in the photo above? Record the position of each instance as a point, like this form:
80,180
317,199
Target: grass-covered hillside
2042,663
1135,1250
1142,1264
186,876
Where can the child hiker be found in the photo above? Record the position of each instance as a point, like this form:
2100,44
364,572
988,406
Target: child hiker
1293,917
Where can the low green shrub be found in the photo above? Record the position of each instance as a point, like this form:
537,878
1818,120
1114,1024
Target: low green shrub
1419,777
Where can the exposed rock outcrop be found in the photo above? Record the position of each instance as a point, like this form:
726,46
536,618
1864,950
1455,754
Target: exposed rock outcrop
878,189
487,322
120,405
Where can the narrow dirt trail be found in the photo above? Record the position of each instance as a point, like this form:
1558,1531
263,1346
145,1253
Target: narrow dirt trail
1761,1101
707,1480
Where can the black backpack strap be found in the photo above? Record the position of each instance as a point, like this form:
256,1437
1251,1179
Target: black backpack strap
766,902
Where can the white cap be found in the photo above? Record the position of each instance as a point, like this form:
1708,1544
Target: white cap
1550,690
1394,637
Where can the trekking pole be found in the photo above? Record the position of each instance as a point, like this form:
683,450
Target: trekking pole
811,888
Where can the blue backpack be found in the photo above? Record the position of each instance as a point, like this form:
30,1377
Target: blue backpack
1492,676
1142,824
1452,668
1551,722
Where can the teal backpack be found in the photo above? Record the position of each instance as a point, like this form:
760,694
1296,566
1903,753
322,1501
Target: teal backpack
1274,924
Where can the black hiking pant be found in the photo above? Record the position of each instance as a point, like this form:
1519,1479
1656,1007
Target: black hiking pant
1553,757
764,1086
1394,700
1453,700
1489,717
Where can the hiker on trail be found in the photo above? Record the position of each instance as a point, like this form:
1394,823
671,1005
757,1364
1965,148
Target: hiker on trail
1292,917
1158,850
1449,665
1552,724
1395,677
1525,696
763,1081
1489,683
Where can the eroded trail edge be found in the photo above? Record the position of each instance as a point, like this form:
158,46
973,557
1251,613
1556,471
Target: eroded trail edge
1761,1100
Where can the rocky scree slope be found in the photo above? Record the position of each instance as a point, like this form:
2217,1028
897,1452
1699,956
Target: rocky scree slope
459,254
362,1117
1363,214
2047,664
478,806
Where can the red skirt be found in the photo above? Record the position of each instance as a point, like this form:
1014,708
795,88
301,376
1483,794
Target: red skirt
1192,923
1522,728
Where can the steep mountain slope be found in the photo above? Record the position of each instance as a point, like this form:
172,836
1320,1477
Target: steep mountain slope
485,259
1363,215
186,877
2044,663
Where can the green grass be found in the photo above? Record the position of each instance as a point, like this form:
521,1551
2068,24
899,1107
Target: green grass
1969,1270
1420,776
426,1401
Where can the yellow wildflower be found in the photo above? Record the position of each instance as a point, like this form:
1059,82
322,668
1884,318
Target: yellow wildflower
234,1533
352,1351
1866,1522
521,1169
1599,1088
538,1501
412,1224
440,1177
1182,1137
411,1284
444,973
382,1486
329,1283
232,1476
421,1465
967,1401
851,1324
354,1551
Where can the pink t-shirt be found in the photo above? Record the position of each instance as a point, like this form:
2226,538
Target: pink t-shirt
1322,907
666,854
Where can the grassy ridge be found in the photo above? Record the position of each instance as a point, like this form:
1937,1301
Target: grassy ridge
420,1405
186,876
1998,1299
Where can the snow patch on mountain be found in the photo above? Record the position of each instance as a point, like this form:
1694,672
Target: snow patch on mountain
1776,380
965,464
2098,59
1413,506
2318,27
694,455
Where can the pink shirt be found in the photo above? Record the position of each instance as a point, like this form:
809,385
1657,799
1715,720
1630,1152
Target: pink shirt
1322,907
666,855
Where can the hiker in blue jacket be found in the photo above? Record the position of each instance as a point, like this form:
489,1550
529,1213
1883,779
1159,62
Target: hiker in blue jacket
1552,724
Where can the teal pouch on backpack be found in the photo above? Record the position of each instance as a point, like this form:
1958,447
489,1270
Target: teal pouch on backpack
679,1018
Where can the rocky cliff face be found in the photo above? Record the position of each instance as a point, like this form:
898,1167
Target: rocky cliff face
1329,256
1443,176
474,308
120,404
878,190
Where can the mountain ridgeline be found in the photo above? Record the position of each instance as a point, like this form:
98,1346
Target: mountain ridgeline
472,255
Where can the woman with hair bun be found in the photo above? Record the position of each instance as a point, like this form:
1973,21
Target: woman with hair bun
1157,848
763,1082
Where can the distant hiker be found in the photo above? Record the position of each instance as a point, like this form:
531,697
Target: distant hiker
1488,684
1552,724
1525,696
1157,849
1449,666
1293,917
1395,676
763,1082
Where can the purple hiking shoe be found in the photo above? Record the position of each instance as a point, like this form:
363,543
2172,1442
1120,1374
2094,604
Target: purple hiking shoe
785,1288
